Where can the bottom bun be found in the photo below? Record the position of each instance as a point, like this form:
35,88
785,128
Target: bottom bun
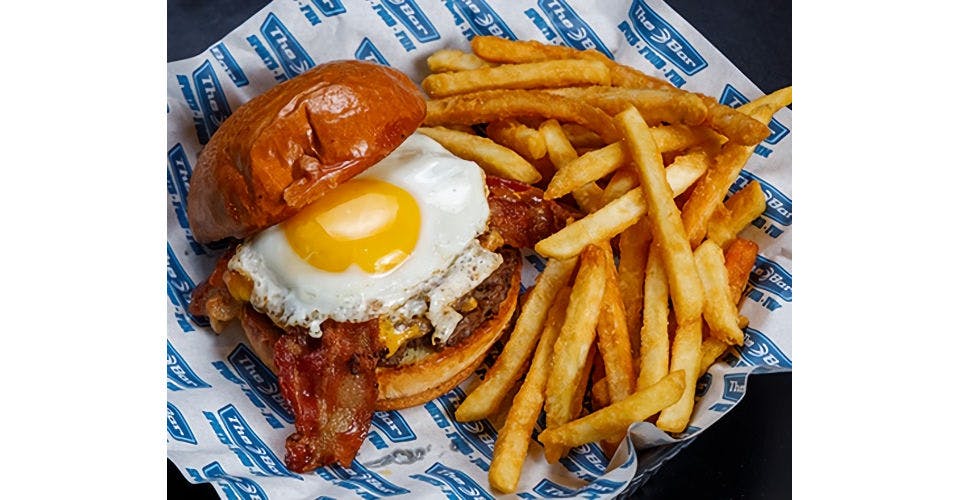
434,373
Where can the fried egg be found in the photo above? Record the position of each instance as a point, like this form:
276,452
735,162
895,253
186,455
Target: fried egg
397,241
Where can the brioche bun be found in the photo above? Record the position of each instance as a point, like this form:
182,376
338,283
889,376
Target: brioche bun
288,146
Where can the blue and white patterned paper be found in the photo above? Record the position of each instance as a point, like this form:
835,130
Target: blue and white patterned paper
226,420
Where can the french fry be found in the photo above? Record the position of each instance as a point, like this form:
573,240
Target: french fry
739,259
574,343
581,137
654,336
654,105
556,73
518,137
709,192
454,60
617,418
736,125
731,217
686,291
613,339
585,169
684,357
777,99
613,217
491,105
562,154
620,183
512,444
492,157
718,310
710,350
495,49
634,253
488,395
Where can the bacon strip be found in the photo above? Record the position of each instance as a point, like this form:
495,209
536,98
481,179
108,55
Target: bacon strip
331,385
520,215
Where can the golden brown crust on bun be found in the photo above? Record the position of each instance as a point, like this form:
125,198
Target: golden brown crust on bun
288,146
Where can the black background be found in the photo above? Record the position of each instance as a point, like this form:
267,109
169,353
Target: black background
747,454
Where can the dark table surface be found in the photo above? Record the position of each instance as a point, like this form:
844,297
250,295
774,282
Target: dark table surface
747,454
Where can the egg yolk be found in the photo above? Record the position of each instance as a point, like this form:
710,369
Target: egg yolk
367,222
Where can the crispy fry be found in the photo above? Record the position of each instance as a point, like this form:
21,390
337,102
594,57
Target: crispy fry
562,154
534,75
778,99
739,259
718,310
611,219
574,342
511,447
492,105
518,137
621,182
454,60
710,350
486,397
739,127
732,216
492,157
634,253
685,357
613,340
500,50
581,137
708,193
654,335
616,418
686,291
585,169
654,105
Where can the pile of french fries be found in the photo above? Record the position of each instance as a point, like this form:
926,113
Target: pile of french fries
649,166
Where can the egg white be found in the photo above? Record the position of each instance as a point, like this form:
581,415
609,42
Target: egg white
451,195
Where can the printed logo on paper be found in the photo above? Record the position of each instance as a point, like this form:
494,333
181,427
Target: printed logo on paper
177,426
473,439
364,482
330,8
179,374
213,102
772,277
288,50
199,123
734,98
734,386
455,484
258,383
179,288
549,489
586,461
229,65
571,27
393,425
477,18
268,60
178,184
367,51
412,17
665,39
234,431
759,350
233,487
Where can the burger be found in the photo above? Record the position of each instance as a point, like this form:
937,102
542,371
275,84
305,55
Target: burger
370,268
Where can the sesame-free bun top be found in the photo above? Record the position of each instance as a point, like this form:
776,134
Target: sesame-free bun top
290,145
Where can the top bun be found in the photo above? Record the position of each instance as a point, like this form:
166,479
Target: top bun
290,145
